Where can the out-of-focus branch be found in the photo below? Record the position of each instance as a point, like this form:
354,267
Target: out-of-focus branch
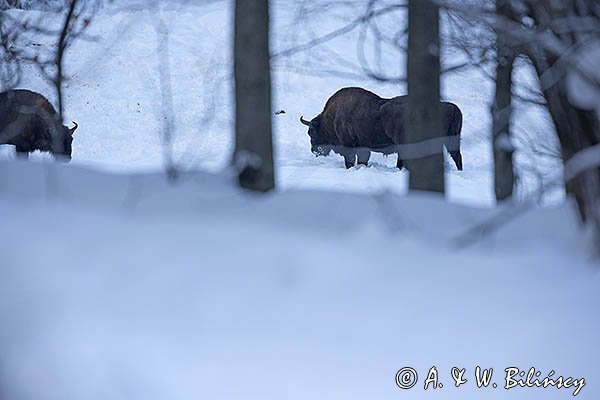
339,32
166,91
60,51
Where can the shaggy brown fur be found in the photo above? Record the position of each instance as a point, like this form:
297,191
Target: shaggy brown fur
356,121
29,122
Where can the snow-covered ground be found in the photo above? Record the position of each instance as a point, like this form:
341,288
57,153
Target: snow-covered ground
127,286
114,94
116,283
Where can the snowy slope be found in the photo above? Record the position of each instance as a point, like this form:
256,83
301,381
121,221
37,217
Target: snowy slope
114,94
116,283
129,287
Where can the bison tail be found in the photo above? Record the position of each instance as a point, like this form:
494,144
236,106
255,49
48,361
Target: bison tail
453,134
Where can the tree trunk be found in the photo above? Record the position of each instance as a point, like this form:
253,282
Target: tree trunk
424,110
577,129
253,154
504,178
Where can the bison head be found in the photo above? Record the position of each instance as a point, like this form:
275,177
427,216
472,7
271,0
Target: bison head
319,143
61,143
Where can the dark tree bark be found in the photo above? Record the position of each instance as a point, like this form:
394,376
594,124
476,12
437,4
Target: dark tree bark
504,178
577,128
253,145
553,34
424,111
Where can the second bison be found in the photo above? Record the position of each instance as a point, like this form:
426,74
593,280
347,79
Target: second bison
29,122
356,121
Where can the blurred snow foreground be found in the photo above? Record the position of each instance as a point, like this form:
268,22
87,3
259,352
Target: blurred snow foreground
131,287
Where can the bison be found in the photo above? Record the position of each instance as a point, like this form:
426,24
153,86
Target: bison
29,122
356,121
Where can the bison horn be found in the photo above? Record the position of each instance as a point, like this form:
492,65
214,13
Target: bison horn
75,126
305,122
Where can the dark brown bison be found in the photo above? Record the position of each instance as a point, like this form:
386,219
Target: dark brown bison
355,122
29,122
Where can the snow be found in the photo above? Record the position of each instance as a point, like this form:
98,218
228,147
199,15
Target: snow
114,94
117,282
142,288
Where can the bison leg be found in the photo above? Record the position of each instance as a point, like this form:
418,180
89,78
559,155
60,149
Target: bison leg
363,157
457,157
349,159
400,163
22,154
